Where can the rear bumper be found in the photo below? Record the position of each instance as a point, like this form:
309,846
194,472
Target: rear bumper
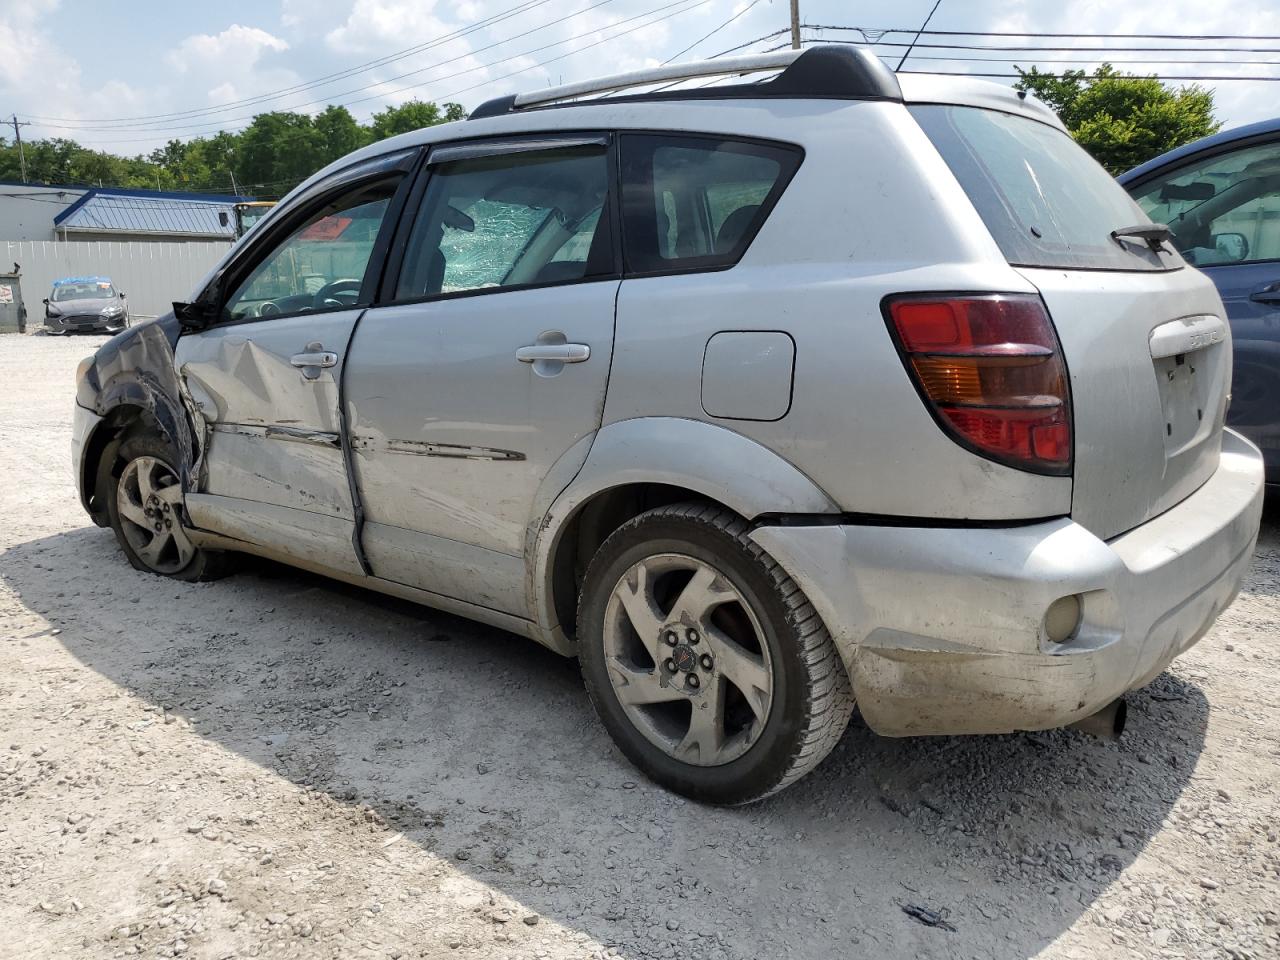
942,630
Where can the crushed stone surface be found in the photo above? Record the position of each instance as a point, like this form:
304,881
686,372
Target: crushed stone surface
275,765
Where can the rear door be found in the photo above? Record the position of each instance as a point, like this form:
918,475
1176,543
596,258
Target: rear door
266,377
1145,341
1224,209
484,376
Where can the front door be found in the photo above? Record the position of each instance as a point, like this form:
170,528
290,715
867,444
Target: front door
485,376
267,376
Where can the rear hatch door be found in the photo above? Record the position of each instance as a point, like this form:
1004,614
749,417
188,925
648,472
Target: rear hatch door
1150,363
1146,344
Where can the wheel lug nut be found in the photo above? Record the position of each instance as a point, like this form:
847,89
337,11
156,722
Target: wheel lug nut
691,680
691,635
707,662
671,638
166,508
670,666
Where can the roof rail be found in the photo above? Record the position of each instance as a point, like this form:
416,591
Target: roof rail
821,72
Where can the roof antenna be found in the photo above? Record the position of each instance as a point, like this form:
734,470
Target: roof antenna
916,38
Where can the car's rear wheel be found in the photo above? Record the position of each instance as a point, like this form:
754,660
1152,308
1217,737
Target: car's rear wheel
147,513
705,661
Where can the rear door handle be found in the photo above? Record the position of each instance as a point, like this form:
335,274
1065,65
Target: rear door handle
560,352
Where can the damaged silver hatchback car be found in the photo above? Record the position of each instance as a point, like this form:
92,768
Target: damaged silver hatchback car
760,399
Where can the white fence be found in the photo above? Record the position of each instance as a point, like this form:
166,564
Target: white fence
152,275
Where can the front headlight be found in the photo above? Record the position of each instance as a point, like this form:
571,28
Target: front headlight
112,311
51,310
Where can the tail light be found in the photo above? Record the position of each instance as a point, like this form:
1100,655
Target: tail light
992,372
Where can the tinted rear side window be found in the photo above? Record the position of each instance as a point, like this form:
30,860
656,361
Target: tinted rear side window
696,203
1046,202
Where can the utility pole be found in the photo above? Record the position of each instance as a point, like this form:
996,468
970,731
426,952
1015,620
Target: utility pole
795,24
17,136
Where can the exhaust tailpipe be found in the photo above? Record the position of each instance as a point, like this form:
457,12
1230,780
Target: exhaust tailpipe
1107,723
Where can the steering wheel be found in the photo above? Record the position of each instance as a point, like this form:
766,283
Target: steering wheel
327,296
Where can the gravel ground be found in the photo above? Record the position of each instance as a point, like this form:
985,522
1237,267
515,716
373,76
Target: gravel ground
275,765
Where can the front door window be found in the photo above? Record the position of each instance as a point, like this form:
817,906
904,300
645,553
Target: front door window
321,264
1223,210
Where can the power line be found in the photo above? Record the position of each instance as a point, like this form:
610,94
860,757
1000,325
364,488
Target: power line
751,43
1111,60
712,33
444,97
1053,36
916,38
523,7
140,125
1018,76
162,129
1068,49
1260,63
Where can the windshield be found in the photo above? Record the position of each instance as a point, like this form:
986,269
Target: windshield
1046,202
88,290
249,216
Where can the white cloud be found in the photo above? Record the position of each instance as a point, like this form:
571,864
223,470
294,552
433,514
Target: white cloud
26,77
234,49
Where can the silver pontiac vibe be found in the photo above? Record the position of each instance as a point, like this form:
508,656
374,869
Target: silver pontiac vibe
761,399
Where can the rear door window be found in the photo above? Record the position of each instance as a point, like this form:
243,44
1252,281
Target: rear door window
1046,202
511,220
696,203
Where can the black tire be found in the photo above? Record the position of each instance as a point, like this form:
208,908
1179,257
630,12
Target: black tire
203,564
812,699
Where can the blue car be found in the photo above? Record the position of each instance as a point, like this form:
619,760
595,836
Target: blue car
1221,197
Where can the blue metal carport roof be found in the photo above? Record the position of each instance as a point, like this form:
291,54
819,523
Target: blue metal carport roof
150,212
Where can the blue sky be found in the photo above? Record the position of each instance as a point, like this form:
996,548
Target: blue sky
81,69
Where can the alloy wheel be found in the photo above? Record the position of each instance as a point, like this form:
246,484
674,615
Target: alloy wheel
687,659
148,500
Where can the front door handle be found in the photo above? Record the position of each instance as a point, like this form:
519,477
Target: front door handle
560,352
1268,294
313,359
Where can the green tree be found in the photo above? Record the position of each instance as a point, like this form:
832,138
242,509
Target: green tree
1121,119
413,115
338,133
277,151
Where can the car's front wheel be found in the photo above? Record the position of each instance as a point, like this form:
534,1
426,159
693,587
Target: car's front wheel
147,513
705,661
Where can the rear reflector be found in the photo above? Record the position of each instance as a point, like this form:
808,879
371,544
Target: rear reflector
991,370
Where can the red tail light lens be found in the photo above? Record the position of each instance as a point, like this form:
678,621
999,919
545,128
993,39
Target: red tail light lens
991,370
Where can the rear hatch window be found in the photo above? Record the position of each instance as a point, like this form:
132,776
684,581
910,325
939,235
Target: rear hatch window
1046,202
